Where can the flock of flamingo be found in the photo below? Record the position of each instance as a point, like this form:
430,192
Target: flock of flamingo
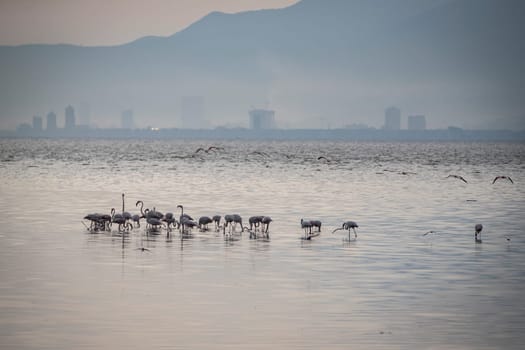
156,222
259,225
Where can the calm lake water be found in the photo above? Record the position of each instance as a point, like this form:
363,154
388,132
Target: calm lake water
62,287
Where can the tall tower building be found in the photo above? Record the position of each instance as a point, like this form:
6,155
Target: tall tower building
417,122
51,121
392,118
37,123
261,119
70,118
126,120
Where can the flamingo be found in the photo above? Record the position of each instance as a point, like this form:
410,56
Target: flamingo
477,231
97,221
348,225
136,219
120,220
169,220
154,224
266,221
307,226
316,223
154,214
232,219
203,222
106,221
255,221
217,220
141,208
185,219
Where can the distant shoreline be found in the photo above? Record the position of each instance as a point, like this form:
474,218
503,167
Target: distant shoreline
450,134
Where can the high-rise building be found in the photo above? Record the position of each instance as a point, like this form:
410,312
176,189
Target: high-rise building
51,121
261,119
126,119
193,112
417,122
392,118
37,123
70,118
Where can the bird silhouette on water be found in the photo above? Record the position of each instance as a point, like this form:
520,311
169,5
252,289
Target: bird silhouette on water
348,225
478,229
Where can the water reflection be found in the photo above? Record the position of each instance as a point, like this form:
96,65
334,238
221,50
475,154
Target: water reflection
64,287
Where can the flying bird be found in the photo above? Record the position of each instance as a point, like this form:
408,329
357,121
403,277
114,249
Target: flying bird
260,153
143,249
458,177
215,148
429,232
502,177
211,148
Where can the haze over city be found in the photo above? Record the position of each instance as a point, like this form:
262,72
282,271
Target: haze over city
317,64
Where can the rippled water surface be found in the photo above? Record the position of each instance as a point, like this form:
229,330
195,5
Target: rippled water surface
62,287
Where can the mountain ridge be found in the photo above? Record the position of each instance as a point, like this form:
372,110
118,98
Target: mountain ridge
345,60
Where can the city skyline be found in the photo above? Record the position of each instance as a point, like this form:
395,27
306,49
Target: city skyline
257,119
320,64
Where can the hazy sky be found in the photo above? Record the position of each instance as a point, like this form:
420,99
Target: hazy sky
108,22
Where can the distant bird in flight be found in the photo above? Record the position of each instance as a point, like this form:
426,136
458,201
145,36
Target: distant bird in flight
324,158
429,232
502,177
143,249
458,177
211,148
260,153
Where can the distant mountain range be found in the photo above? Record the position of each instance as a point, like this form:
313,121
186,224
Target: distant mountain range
318,63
